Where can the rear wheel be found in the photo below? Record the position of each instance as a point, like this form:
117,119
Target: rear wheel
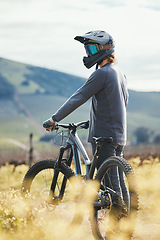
118,216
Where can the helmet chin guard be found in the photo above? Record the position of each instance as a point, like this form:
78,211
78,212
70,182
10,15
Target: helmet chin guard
100,38
98,58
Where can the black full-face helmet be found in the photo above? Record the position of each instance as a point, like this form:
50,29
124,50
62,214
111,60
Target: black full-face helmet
93,42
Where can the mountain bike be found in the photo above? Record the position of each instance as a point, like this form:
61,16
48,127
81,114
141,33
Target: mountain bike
50,179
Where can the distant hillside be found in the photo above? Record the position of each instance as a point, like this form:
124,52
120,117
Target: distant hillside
7,90
53,82
29,79
144,102
35,93
143,111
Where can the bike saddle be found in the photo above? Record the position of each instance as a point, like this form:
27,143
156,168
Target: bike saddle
103,139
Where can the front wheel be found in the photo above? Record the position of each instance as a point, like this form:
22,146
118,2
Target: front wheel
118,216
51,187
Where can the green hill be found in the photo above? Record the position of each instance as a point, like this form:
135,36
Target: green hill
144,102
29,79
30,94
7,90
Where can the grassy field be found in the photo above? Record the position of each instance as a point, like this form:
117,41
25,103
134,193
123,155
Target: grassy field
45,105
21,219
19,128
136,120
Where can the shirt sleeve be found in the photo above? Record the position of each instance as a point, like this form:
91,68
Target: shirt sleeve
93,85
125,91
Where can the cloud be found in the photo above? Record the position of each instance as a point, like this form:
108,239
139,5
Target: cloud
151,4
113,3
42,33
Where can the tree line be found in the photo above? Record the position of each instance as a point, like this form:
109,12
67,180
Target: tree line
145,135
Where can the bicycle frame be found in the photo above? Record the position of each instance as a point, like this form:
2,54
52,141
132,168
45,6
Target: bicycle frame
77,150
75,145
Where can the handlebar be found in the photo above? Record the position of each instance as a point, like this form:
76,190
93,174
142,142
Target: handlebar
73,126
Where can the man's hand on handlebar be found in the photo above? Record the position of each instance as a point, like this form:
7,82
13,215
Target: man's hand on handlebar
49,124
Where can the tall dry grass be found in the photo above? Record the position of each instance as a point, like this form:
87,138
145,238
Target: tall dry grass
22,218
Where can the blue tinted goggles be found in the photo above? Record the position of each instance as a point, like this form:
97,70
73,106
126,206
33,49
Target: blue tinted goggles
92,49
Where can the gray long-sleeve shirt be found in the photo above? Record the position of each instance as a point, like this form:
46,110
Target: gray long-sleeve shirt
107,87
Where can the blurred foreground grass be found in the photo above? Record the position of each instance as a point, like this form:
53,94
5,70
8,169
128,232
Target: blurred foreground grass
22,219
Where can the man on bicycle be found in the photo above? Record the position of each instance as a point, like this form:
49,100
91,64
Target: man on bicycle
108,89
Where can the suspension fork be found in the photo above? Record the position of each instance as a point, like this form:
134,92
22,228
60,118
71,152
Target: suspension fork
69,161
56,172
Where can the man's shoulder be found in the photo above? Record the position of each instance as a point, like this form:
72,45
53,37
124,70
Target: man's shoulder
111,67
112,70
106,71
100,72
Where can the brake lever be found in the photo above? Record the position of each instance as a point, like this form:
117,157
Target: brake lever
86,125
56,127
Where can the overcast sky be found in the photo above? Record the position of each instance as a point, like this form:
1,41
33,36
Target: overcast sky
41,33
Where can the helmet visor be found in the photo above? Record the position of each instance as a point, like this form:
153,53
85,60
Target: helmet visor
92,49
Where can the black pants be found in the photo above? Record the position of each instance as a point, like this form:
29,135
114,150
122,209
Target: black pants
115,176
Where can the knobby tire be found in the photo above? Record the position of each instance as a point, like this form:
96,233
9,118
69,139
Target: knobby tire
130,214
